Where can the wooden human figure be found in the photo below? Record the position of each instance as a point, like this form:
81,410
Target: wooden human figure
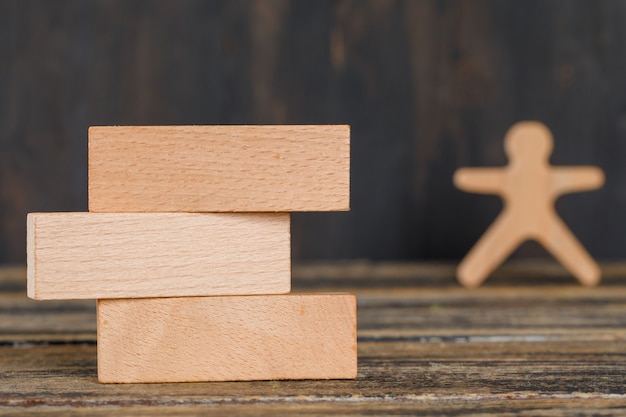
529,186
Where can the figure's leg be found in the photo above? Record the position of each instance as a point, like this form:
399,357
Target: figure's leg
498,242
565,247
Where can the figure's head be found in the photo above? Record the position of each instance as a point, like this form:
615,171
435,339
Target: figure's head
528,141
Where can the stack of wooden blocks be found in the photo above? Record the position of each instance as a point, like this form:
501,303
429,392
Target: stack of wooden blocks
187,248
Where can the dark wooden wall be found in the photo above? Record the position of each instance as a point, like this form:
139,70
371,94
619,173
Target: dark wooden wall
427,86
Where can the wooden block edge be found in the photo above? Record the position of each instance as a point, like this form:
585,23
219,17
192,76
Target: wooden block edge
342,205
349,375
41,287
30,255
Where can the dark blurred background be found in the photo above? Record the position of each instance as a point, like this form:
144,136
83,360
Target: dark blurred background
427,86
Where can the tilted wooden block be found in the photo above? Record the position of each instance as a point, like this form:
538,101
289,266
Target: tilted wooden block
219,168
294,336
128,255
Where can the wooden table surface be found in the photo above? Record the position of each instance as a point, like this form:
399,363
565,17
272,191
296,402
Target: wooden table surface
529,342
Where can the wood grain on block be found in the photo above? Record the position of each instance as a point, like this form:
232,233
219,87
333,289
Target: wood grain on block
293,336
128,255
219,168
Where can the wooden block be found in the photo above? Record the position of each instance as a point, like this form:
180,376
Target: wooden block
529,186
294,336
127,255
219,168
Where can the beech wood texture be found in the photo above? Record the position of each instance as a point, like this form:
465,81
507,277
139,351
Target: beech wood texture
529,185
219,168
128,255
528,342
268,337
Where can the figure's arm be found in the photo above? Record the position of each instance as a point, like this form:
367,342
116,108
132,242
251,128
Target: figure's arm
574,179
480,180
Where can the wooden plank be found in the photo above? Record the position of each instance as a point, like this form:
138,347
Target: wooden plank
227,338
219,168
408,375
484,405
513,349
12,278
563,313
127,255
